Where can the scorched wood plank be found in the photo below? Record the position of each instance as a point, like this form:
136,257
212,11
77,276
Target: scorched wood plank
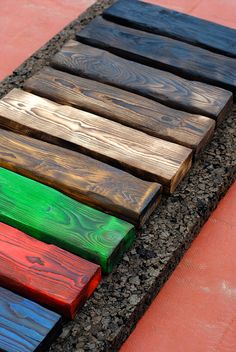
25,325
192,131
83,178
52,217
170,23
148,157
45,273
164,87
161,52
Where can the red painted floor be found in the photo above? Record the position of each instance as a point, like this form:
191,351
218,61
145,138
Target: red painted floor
196,309
26,25
220,11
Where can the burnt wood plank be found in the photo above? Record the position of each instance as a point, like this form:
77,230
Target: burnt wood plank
161,52
192,131
45,273
83,178
164,87
146,156
25,325
173,24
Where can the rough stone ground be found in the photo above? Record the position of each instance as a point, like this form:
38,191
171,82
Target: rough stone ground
122,297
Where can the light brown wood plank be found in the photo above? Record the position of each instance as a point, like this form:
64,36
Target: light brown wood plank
81,177
192,131
146,156
164,87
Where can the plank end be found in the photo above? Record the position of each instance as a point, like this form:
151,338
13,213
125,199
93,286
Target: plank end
119,251
180,174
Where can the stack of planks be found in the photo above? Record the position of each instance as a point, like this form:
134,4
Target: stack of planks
88,146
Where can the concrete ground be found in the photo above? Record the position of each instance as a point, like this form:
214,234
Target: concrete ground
196,309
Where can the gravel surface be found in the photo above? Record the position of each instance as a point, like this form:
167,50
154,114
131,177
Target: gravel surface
110,315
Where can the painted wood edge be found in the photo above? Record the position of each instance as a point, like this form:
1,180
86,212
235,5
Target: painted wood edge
53,333
205,140
152,207
227,109
49,339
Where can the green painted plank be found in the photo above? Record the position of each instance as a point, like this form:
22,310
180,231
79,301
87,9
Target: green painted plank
52,217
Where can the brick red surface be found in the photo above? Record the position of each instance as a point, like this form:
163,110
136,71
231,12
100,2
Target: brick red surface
220,11
196,309
26,25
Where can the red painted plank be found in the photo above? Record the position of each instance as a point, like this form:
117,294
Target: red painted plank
45,273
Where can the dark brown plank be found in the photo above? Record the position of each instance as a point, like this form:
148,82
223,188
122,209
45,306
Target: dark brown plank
161,52
146,156
173,24
80,177
192,131
164,87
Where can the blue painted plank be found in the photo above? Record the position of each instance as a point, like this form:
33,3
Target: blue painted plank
25,326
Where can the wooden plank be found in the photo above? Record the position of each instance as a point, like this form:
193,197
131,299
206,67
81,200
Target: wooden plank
192,131
25,325
52,217
173,24
45,273
146,156
83,178
161,52
164,87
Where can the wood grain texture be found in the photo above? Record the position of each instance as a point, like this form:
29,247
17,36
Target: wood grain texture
25,326
83,178
161,52
173,24
148,157
52,217
192,131
45,273
164,87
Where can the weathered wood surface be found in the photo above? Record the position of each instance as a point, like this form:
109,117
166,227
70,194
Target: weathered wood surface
192,131
146,156
164,87
161,52
25,325
45,273
173,24
52,217
83,178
